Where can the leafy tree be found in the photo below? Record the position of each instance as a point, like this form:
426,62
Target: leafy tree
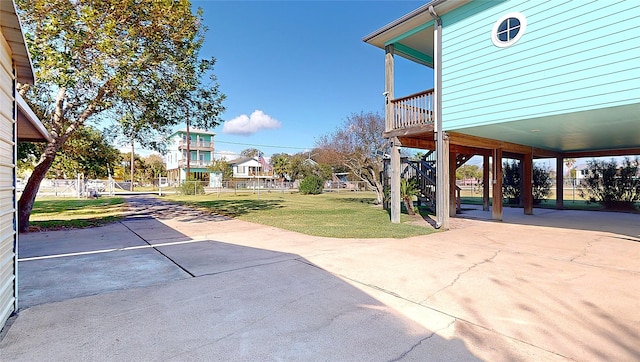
612,186
250,152
153,167
467,172
356,143
99,60
408,189
281,164
223,166
87,152
511,180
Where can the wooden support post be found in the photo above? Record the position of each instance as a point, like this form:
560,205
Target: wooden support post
453,204
527,183
485,183
395,144
559,183
388,86
496,209
446,176
395,181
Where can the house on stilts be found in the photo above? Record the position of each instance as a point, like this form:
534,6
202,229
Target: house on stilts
513,79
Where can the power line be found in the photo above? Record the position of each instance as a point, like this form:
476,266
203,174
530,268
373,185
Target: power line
269,146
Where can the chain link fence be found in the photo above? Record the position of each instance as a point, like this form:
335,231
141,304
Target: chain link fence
91,188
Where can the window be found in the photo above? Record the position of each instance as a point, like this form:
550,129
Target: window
508,29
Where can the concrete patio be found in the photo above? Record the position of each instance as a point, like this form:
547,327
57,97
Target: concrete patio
171,283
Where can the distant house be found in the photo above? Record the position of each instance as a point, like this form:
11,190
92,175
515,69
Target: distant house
17,123
513,79
251,168
201,148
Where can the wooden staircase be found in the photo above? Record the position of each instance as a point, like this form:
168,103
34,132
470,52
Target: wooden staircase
424,170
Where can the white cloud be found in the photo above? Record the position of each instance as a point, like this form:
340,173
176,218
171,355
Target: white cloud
247,125
227,155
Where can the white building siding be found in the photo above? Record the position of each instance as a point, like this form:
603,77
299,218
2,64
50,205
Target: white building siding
8,220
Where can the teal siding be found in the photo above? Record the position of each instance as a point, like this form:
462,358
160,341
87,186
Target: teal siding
574,56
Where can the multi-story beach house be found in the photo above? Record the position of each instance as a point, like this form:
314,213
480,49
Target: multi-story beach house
513,79
201,149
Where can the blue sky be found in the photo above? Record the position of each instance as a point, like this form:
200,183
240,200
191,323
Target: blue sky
294,70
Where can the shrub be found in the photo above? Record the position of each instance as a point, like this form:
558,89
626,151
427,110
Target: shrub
610,185
311,185
191,187
542,182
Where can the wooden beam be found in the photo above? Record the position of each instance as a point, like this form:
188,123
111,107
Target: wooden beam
424,131
496,209
527,184
508,147
604,153
485,183
559,183
424,144
452,183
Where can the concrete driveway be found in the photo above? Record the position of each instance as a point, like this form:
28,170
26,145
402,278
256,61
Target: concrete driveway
171,283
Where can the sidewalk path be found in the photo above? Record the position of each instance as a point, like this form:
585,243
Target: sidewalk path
173,283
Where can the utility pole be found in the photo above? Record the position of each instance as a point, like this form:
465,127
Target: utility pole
188,148
132,161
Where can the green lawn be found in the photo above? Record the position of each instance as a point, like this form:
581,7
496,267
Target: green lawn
342,215
53,213
546,204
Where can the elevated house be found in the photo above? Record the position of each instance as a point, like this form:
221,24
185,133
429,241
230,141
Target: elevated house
17,123
512,79
200,146
251,169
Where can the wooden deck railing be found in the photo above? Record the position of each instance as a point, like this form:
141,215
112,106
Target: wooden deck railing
413,110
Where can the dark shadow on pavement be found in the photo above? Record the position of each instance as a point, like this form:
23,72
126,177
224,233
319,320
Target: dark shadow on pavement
242,303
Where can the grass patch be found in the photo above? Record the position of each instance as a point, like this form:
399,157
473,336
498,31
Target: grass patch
63,213
341,215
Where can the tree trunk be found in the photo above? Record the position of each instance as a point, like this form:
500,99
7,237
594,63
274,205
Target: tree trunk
25,204
408,204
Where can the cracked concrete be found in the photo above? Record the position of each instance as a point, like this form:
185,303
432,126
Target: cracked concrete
565,287
460,275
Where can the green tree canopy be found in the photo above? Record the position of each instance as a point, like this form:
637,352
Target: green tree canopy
130,60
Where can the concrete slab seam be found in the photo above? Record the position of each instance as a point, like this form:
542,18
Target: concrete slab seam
161,253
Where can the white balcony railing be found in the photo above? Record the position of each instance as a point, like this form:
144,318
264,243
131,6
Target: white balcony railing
195,144
194,163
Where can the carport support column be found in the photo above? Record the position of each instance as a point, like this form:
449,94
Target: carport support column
559,183
395,144
496,210
453,200
527,183
485,183
395,181
442,143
